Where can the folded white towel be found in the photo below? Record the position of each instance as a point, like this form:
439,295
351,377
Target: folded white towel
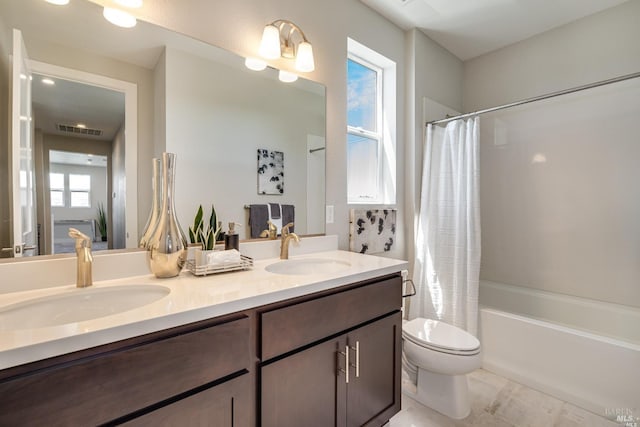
222,258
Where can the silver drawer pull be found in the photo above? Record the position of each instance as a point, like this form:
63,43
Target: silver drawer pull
357,364
345,353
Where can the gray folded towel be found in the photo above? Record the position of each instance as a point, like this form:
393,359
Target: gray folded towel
258,219
288,215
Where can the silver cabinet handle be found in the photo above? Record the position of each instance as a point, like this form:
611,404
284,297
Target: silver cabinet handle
357,365
345,353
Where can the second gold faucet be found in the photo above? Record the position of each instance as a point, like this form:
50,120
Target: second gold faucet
285,239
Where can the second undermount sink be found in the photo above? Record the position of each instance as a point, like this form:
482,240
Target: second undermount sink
78,305
307,266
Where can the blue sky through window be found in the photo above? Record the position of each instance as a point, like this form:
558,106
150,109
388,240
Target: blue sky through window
361,96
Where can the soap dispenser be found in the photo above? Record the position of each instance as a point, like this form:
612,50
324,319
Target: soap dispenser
231,239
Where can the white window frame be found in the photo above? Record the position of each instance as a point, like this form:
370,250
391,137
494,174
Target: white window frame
62,190
75,190
386,122
377,135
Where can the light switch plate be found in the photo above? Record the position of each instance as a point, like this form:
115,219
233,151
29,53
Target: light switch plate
329,214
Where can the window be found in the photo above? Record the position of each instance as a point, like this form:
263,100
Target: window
370,126
56,183
79,187
76,194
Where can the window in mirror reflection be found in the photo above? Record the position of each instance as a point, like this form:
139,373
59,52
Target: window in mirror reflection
56,183
79,187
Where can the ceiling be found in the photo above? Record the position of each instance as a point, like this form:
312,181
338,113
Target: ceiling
70,103
469,28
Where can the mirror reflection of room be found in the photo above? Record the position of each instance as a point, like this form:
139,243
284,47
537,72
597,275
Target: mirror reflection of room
182,96
78,135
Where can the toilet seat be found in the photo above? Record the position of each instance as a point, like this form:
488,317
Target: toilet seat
441,337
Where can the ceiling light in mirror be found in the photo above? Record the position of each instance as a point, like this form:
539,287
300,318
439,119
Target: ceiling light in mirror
255,64
287,77
58,2
48,82
119,17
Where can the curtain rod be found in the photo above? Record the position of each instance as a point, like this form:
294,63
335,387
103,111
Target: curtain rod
537,98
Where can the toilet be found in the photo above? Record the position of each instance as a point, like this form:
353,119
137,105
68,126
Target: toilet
437,358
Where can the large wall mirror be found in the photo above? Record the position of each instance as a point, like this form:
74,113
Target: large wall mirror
106,100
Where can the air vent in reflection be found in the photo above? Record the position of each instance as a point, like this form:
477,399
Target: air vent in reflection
79,131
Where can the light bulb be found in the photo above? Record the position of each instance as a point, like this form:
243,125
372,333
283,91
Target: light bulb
304,58
270,45
58,2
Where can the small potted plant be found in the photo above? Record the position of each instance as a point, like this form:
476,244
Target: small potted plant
204,236
102,222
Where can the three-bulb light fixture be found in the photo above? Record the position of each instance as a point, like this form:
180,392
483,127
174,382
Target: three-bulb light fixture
283,38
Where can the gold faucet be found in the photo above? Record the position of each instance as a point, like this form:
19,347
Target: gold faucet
85,259
285,238
271,232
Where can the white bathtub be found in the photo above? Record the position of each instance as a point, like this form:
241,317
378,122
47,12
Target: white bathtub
581,351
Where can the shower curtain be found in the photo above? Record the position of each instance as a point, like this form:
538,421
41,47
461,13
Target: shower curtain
447,241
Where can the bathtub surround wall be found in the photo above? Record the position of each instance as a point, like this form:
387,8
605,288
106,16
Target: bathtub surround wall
559,208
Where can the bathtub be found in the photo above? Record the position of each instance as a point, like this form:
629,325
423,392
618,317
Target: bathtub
582,351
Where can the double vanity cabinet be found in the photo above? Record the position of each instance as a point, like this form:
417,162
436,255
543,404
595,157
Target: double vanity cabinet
329,358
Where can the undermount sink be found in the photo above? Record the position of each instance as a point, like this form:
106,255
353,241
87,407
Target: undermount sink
78,305
307,266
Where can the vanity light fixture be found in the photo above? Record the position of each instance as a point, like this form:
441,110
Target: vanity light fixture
58,2
48,82
285,39
119,17
81,126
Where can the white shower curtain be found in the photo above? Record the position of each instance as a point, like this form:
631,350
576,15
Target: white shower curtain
447,264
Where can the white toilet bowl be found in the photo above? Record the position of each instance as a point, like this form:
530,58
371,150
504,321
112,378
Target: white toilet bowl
440,356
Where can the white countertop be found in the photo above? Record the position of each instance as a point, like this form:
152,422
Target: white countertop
191,299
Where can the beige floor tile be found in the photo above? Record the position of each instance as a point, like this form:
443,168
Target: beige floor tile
572,416
498,402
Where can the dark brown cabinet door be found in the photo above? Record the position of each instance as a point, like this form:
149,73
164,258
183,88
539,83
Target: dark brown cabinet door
373,392
309,389
300,390
225,405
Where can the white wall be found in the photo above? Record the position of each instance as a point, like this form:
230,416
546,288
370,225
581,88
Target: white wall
434,73
117,226
597,47
215,131
559,200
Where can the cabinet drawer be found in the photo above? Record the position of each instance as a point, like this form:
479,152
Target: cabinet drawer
100,388
285,329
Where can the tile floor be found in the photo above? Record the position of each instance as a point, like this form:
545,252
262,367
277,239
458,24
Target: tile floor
498,402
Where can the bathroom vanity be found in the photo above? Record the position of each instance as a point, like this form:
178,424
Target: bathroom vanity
275,350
